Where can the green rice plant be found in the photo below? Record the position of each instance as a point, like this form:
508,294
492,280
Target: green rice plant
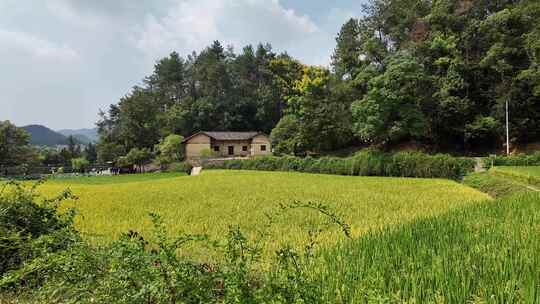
486,253
210,202
496,186
525,174
112,179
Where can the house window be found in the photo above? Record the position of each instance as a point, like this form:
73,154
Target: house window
216,148
244,148
231,150
263,147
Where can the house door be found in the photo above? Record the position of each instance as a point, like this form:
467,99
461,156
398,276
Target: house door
231,150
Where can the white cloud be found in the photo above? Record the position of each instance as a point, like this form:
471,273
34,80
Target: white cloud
193,24
21,43
43,78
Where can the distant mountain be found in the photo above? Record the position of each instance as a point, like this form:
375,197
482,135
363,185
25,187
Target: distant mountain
43,136
83,135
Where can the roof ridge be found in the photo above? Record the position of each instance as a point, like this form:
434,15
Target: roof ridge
227,135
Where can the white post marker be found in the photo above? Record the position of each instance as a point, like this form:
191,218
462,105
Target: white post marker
196,171
507,131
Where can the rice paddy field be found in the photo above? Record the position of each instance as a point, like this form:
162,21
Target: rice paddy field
527,174
414,240
215,200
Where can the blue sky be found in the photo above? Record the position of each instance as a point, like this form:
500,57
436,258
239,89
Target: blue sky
63,60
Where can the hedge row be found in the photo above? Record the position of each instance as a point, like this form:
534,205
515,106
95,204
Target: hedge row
365,163
514,160
179,167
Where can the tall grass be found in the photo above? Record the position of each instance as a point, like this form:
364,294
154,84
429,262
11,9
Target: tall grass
482,254
364,163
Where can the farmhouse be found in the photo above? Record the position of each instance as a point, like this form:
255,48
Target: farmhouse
227,144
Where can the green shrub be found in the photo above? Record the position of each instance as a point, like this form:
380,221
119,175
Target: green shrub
25,217
513,160
365,163
80,164
179,167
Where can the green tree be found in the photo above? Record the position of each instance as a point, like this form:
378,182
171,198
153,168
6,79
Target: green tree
347,56
80,164
109,152
392,110
51,157
285,136
65,156
170,149
139,157
90,153
74,147
168,81
14,148
324,120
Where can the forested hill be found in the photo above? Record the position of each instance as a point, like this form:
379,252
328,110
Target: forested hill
43,136
434,72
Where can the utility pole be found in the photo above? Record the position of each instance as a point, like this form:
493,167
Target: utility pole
507,131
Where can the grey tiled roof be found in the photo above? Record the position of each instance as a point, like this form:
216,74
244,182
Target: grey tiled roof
216,135
231,135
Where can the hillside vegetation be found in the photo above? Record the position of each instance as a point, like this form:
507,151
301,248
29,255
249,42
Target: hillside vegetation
435,73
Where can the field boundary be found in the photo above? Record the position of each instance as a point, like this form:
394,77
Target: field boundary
528,179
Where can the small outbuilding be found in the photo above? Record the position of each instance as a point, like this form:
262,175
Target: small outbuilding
227,144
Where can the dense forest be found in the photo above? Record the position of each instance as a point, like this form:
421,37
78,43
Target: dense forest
437,73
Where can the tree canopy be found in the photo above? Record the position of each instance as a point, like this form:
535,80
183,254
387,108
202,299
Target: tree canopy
14,147
434,72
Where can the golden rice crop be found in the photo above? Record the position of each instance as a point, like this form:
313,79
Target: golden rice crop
209,203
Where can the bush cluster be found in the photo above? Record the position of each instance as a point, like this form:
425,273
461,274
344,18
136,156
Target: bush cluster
30,223
364,163
513,160
179,167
